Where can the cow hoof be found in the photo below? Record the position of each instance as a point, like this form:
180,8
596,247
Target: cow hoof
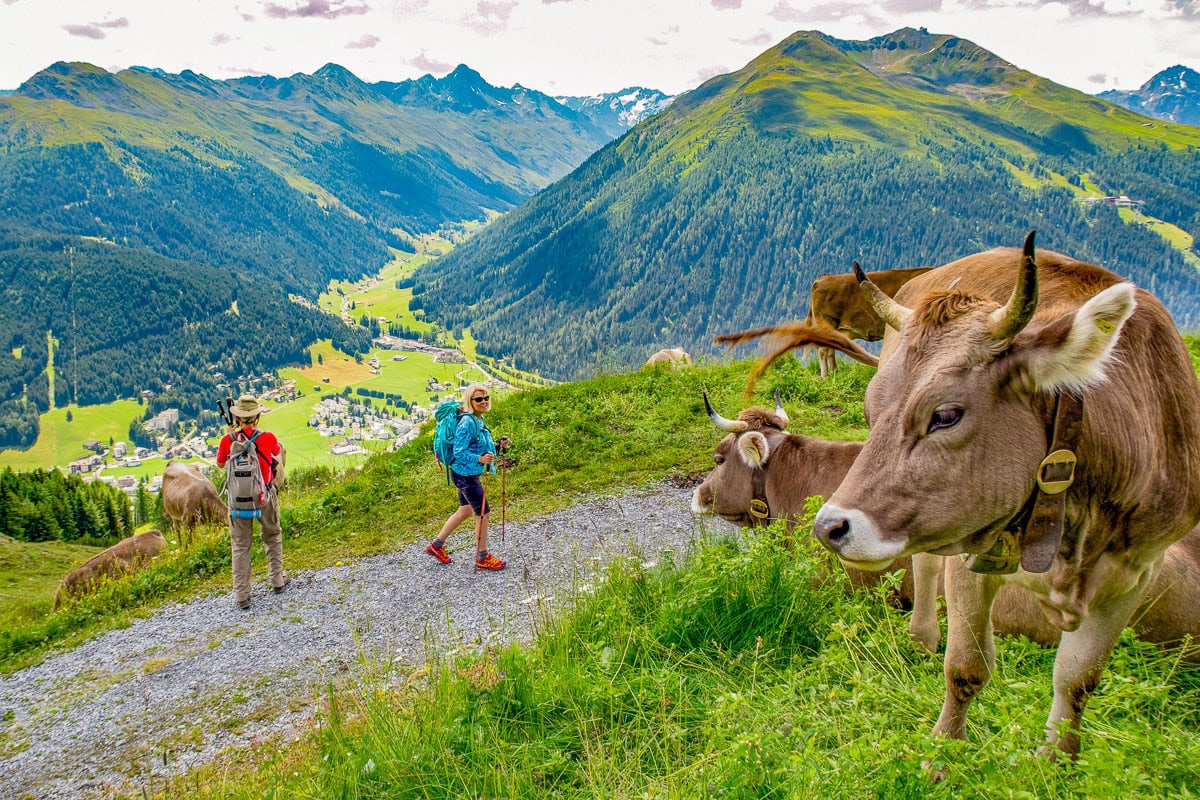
935,774
283,587
1048,752
926,642
244,605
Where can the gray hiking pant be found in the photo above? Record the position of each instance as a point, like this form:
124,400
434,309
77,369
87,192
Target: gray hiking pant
241,533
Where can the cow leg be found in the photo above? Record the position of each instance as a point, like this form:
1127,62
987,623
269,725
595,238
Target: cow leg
1078,665
828,361
923,625
970,648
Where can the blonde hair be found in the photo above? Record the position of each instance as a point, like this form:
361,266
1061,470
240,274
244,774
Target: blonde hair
468,393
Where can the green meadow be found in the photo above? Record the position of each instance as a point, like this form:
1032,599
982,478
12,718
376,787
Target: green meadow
377,296
61,442
30,574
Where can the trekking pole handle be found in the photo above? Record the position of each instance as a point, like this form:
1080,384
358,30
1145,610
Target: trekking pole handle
224,411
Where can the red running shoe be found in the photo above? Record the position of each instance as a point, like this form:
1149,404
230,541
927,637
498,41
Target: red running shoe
438,552
490,563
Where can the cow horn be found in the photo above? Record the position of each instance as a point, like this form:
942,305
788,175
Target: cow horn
779,412
1007,322
891,312
732,425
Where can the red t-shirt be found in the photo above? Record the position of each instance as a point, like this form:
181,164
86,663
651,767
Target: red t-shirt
266,445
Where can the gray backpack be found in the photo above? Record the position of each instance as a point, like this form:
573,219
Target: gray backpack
245,491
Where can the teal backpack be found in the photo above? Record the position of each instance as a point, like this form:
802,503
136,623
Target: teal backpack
447,414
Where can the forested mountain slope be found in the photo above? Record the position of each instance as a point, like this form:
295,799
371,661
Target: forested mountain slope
305,177
719,212
129,319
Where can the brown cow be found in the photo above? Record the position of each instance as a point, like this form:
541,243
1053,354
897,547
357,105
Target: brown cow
189,498
125,557
964,413
835,302
759,458
763,473
965,409
675,356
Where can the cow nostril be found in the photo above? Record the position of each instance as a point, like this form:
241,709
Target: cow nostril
832,530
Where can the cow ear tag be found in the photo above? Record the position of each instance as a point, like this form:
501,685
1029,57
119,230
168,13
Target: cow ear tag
1056,473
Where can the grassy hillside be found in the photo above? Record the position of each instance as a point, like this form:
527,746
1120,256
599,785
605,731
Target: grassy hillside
60,442
595,436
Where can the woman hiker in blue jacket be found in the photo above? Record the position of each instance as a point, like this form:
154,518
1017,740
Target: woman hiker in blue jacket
474,452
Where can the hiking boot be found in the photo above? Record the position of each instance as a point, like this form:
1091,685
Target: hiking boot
284,587
244,605
438,552
490,563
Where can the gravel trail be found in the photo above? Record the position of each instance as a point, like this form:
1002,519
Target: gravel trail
122,711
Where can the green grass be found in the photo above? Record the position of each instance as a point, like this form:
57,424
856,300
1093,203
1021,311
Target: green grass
743,674
377,296
29,576
60,442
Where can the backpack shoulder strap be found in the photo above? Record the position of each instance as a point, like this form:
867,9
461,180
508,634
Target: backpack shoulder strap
477,425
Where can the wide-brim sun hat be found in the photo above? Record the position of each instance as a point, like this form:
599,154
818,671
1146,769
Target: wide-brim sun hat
247,407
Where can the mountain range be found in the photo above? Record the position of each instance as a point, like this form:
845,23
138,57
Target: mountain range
718,213
242,192
1172,95
714,212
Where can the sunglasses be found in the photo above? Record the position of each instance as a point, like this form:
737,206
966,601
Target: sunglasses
483,399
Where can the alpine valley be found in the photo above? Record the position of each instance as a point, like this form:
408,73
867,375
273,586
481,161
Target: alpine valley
163,229
154,225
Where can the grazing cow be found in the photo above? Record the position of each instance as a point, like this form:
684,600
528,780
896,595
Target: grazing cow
763,473
1054,436
189,498
835,302
125,557
760,461
676,356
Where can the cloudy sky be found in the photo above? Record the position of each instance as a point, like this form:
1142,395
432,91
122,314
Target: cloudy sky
577,47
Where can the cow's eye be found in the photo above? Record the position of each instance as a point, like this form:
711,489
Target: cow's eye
944,417
720,459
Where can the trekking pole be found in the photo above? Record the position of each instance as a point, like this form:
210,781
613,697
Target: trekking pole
483,506
503,482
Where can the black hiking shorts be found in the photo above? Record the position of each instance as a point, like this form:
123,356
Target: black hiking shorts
470,493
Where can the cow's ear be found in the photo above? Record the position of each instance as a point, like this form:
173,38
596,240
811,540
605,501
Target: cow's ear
753,448
1072,352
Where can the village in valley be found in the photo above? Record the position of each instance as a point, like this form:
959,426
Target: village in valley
346,420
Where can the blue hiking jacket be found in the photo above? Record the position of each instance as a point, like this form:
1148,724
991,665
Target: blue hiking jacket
471,440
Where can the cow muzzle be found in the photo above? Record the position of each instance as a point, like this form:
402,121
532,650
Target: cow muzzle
851,536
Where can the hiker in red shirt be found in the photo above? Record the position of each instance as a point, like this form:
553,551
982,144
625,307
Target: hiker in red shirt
241,526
